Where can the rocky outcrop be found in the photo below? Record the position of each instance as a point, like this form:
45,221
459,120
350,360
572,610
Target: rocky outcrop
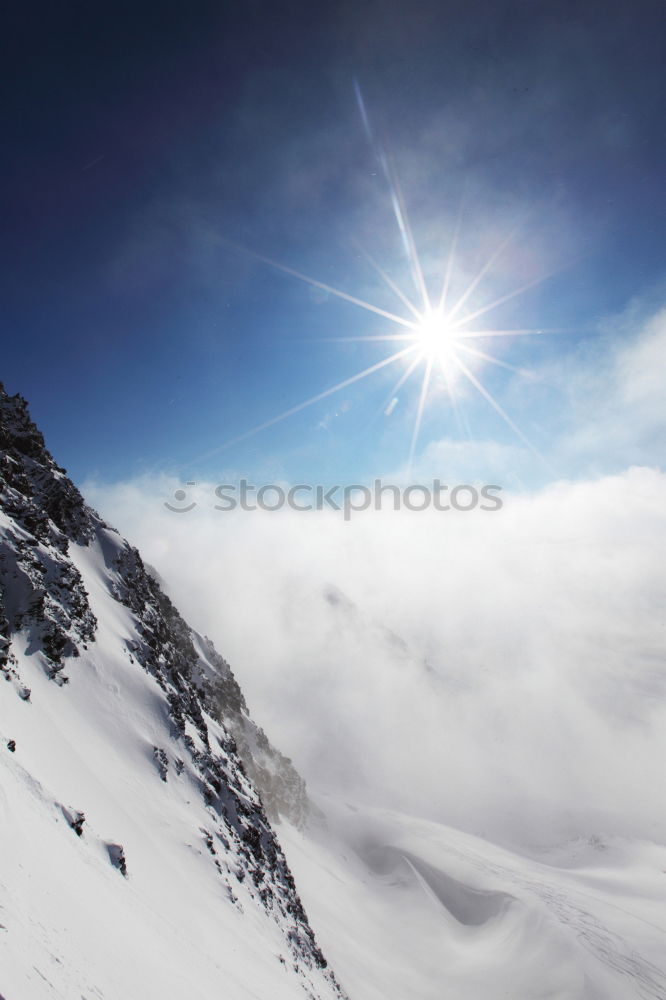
46,610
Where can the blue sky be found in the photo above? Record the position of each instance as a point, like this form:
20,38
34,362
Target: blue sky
143,143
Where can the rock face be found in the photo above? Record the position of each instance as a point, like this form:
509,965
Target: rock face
55,552
41,593
169,649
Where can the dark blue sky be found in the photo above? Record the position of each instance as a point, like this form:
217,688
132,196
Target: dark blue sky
139,138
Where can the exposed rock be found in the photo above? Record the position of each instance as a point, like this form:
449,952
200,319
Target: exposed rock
45,610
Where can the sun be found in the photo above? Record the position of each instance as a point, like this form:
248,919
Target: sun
436,339
436,333
434,336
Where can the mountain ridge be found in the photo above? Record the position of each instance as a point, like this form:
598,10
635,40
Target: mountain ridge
78,609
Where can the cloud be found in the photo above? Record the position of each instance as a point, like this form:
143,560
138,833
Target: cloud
470,461
612,395
640,369
499,671
502,671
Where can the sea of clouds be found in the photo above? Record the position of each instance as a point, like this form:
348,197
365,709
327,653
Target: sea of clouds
501,671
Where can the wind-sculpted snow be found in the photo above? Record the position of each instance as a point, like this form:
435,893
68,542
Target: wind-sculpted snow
137,785
469,906
445,914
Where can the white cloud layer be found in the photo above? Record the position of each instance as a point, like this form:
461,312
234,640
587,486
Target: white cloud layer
613,396
500,671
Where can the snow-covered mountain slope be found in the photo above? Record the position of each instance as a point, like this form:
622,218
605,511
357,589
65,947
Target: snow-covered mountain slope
136,855
408,908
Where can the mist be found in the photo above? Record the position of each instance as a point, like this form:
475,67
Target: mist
500,671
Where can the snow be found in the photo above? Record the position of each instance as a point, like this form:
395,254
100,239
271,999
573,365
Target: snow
127,874
72,925
408,908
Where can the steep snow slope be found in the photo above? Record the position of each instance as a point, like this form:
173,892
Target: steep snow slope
136,858
411,908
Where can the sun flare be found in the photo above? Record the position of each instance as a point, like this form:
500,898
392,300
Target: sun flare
436,340
436,335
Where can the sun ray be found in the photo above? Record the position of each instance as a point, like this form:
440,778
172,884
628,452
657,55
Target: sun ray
484,270
502,412
451,258
405,228
308,402
397,199
506,298
323,286
425,384
403,378
389,281
377,337
364,114
463,429
494,361
525,332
